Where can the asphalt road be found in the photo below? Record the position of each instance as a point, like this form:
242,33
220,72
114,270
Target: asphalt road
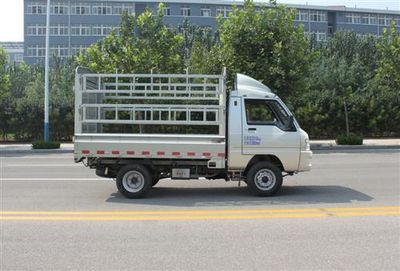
344,214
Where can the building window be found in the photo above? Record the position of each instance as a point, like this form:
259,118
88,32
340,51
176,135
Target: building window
397,20
102,10
101,30
78,49
167,11
59,30
59,9
36,30
30,51
80,10
301,15
31,30
19,58
205,12
185,11
319,36
59,51
384,20
352,18
318,16
37,9
80,30
118,10
223,11
41,51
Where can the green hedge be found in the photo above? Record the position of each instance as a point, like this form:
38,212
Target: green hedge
349,140
41,144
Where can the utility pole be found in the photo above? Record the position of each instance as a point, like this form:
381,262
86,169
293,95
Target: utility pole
46,76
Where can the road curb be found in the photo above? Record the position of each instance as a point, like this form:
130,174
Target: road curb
36,151
320,147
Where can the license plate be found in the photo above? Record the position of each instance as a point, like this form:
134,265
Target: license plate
181,173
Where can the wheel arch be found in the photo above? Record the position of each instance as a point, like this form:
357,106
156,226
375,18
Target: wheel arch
264,158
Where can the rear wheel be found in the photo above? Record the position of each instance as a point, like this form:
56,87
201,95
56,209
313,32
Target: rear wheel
264,179
134,181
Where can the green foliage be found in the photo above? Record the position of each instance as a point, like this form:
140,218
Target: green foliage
314,78
41,144
26,108
144,44
388,72
345,70
265,44
349,140
5,94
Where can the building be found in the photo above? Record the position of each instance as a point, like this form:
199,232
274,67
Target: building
15,51
76,24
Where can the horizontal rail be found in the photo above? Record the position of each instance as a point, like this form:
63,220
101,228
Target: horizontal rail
155,75
156,106
152,122
192,98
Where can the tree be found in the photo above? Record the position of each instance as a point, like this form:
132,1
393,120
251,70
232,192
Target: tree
388,72
5,95
144,44
264,43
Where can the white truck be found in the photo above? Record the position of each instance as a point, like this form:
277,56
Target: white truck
140,128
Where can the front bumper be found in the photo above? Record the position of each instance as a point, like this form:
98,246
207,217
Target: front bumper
305,161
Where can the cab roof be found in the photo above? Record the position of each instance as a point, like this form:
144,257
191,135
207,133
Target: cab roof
249,87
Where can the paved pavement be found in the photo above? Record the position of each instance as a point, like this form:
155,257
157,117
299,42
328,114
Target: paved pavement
344,214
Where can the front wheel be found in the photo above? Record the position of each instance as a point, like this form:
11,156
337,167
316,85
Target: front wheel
134,181
264,179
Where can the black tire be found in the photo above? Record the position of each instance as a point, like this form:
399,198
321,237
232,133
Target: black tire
134,181
264,179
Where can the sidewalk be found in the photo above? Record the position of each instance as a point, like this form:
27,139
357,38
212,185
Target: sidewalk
316,145
371,144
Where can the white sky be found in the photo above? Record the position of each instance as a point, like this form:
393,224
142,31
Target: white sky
12,25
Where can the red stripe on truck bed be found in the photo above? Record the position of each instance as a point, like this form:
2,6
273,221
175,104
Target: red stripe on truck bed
130,152
145,153
114,152
85,151
100,152
176,153
206,154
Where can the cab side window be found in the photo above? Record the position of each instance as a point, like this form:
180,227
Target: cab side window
268,112
259,112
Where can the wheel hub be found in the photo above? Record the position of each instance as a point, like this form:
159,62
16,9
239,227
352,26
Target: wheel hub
133,181
265,179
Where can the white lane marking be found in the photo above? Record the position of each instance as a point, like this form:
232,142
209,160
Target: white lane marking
53,179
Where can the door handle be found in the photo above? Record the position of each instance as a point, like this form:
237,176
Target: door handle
252,129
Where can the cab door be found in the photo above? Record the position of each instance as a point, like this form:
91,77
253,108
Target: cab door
267,130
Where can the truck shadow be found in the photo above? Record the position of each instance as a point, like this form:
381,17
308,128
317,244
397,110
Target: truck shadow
239,196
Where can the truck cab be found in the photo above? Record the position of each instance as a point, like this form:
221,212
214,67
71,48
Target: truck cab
263,131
